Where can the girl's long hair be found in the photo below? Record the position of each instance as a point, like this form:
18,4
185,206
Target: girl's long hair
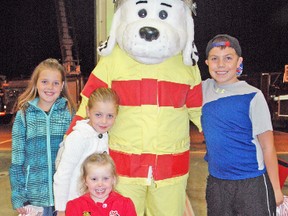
31,91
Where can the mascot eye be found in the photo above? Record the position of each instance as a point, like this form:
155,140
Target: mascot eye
163,14
142,13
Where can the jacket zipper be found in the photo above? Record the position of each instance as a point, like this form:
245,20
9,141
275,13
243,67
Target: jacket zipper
27,177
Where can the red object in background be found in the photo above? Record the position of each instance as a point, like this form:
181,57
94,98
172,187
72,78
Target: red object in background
283,171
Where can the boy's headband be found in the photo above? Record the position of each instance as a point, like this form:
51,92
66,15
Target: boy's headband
224,40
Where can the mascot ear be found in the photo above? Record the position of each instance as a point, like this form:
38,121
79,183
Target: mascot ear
106,47
190,53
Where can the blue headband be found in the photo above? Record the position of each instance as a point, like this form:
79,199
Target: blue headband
224,40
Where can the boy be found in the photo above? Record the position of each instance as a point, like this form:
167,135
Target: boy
239,137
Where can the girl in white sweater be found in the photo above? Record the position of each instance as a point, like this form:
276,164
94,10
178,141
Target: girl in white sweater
88,136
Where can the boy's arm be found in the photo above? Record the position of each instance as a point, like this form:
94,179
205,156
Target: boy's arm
266,141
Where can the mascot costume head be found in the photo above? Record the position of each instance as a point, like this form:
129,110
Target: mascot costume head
150,60
153,31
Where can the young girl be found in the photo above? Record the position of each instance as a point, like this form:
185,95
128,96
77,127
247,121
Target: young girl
88,136
99,178
45,111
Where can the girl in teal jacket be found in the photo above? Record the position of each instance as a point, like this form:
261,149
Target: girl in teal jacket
45,111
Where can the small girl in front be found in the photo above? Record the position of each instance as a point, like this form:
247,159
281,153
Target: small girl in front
45,111
99,178
88,136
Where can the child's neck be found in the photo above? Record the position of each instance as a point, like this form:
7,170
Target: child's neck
45,107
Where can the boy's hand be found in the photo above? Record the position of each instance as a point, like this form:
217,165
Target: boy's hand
279,197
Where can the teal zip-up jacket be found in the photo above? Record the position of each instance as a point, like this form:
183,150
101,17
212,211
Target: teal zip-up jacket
36,136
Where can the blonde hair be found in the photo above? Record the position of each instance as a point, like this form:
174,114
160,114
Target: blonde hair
31,91
104,95
99,159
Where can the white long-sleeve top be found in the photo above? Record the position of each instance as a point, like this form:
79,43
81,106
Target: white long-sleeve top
78,145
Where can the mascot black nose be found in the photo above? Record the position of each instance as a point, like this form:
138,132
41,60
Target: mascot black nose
149,33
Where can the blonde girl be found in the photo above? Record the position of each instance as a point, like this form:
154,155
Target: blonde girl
88,136
99,179
45,111
31,91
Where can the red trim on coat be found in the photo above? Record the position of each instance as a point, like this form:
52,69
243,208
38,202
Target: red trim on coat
92,84
173,94
73,123
195,97
136,92
163,166
153,92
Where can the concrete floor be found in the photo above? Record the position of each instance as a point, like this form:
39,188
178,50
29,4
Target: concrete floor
197,183
5,197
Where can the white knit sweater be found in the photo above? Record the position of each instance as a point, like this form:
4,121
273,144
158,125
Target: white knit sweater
79,144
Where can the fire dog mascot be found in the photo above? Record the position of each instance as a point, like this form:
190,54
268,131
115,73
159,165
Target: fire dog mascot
150,60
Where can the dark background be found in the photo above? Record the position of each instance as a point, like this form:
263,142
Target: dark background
29,33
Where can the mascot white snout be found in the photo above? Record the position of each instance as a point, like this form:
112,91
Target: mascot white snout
152,31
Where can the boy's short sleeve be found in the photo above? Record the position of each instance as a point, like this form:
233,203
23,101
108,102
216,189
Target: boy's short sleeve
260,115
